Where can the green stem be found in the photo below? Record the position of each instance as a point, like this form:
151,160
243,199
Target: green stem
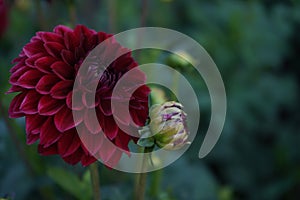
72,12
142,178
155,183
95,180
175,82
40,15
112,12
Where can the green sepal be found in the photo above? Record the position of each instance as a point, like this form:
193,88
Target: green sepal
146,142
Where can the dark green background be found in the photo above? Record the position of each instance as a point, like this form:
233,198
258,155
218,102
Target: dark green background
256,46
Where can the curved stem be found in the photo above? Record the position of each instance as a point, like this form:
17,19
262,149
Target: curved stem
95,180
142,179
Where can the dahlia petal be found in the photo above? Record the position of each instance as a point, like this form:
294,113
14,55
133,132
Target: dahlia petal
30,79
138,118
18,65
64,119
61,30
31,138
62,70
33,123
14,107
21,58
68,143
105,106
114,158
110,127
83,32
30,62
74,101
17,74
87,160
61,89
46,83
91,42
79,53
102,36
35,38
29,104
48,106
91,121
121,113
46,151
91,143
71,41
90,100
33,48
68,57
75,157
49,134
48,36
54,48
14,88
43,64
107,150
122,141
142,93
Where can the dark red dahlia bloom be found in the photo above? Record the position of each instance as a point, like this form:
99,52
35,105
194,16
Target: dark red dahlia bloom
44,76
3,17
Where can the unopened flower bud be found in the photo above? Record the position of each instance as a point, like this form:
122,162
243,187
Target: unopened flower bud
168,125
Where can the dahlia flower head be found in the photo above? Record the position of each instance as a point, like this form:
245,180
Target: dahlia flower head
44,77
168,123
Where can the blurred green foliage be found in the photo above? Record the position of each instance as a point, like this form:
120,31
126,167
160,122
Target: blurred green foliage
255,44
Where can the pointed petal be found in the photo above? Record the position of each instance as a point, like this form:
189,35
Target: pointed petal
74,101
68,57
17,74
64,119
71,41
43,64
49,134
30,78
114,158
75,157
50,37
33,48
14,107
15,88
54,48
111,128
107,150
63,70
105,106
46,151
68,143
29,104
48,106
61,89
87,160
122,141
91,142
91,121
30,62
34,123
90,100
31,138
46,83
